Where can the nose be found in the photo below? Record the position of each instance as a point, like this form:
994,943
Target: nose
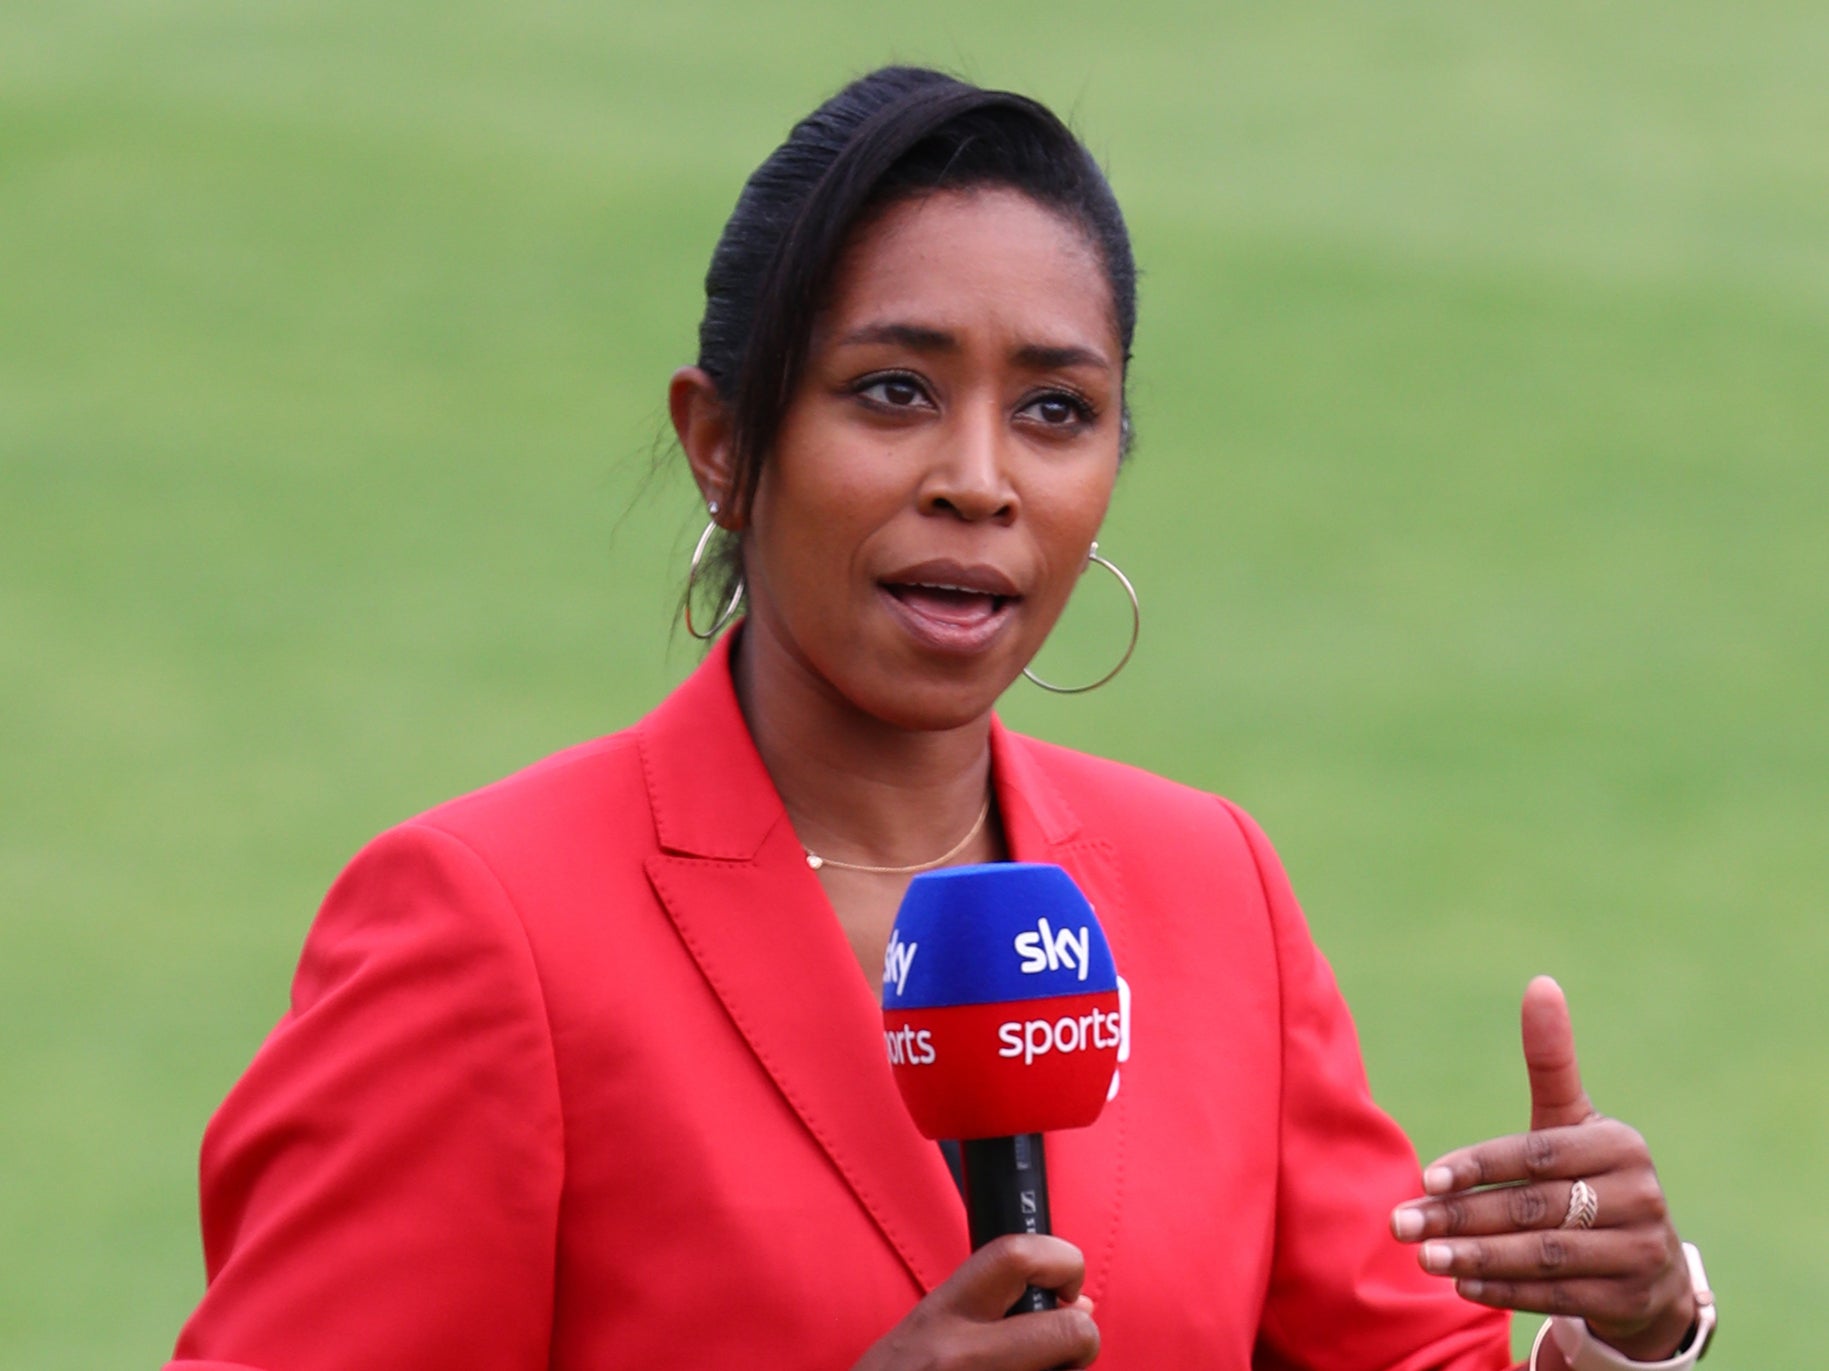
969,477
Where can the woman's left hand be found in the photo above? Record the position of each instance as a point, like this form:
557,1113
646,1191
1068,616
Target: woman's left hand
1499,1217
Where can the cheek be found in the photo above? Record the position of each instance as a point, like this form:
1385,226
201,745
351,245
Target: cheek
808,526
821,465
1072,506
824,502
1067,524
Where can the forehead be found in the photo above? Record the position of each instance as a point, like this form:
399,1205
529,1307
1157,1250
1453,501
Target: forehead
979,259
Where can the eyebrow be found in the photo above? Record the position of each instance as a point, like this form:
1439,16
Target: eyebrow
914,336
1039,357
1034,356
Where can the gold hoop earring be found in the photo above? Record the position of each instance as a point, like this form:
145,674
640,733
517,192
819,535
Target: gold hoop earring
692,575
1136,627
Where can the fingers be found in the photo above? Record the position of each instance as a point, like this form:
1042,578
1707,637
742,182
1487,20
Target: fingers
1585,1150
926,1341
1560,1255
989,1281
1624,1200
1557,1097
961,1325
1043,1342
1571,1299
1621,1284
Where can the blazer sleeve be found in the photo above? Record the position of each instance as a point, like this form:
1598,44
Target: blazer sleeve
1344,1294
381,1188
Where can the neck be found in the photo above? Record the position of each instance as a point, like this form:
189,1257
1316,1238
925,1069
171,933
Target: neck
859,789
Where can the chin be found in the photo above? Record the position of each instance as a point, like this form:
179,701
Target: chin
930,706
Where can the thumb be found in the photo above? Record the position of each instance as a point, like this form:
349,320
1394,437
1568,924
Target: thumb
1557,1098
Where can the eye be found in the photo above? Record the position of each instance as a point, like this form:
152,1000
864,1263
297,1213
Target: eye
1059,409
894,390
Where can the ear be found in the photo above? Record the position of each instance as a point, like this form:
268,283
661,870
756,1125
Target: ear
702,422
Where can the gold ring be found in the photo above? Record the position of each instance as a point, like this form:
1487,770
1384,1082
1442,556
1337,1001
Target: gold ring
1584,1204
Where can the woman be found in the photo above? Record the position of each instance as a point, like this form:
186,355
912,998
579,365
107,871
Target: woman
585,1069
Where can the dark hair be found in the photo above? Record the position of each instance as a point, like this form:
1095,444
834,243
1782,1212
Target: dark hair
898,132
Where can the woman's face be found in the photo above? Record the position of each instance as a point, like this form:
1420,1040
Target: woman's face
943,469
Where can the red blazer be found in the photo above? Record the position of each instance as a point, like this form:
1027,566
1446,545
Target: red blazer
579,1072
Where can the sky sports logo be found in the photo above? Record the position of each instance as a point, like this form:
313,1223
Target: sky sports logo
910,1046
1041,949
1096,1030
1093,1029
1044,949
898,958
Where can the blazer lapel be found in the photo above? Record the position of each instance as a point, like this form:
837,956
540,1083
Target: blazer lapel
734,880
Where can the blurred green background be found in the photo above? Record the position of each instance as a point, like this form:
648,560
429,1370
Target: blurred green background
1478,514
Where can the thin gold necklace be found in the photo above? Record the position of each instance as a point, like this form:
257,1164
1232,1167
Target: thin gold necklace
816,861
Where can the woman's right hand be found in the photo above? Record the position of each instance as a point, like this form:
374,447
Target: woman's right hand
960,1326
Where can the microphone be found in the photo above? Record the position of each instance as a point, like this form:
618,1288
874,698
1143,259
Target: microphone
1003,1019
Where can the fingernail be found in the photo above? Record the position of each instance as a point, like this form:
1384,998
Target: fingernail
1470,1290
1438,1180
1437,1256
1407,1224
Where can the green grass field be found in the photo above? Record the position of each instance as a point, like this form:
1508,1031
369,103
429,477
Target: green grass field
1479,515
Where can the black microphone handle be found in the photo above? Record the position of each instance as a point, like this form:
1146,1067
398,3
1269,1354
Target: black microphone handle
1006,1191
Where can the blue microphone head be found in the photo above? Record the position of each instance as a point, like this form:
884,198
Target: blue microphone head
1001,931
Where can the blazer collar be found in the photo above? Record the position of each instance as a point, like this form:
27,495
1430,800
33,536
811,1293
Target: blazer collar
734,880
1036,815
714,798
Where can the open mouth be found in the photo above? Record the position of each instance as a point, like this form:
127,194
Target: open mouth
954,608
948,604
951,607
